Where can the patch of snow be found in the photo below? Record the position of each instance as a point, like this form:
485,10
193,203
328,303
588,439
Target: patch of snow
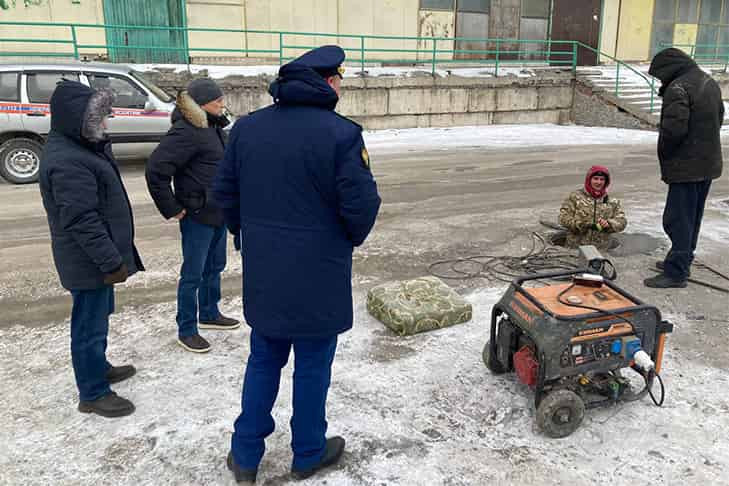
501,136
352,70
416,410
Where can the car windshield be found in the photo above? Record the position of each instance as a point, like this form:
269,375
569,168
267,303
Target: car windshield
151,86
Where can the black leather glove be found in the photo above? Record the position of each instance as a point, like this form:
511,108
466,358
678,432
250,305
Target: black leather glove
119,275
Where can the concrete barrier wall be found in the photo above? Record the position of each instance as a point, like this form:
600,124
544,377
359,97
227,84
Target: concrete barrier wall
422,101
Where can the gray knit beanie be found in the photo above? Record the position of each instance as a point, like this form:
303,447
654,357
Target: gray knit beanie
204,90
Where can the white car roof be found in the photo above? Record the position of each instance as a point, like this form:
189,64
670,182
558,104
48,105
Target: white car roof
66,66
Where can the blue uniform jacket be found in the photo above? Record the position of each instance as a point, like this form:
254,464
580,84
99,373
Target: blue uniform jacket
296,180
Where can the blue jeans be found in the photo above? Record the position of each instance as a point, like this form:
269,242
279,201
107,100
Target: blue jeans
312,375
203,260
682,222
89,329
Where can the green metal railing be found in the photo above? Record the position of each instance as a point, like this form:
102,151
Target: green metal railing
649,80
361,49
707,54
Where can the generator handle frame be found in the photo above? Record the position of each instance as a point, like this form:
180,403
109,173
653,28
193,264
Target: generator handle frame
640,305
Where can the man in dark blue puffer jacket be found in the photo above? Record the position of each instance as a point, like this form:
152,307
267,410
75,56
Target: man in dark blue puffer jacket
92,235
296,181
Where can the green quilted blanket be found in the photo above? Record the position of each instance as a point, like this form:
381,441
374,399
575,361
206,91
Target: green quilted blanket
418,305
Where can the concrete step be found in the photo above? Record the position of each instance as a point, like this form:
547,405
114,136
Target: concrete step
631,84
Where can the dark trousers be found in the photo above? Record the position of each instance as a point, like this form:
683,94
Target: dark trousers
312,374
682,223
89,329
203,260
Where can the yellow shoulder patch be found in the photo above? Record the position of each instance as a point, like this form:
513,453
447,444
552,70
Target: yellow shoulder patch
365,157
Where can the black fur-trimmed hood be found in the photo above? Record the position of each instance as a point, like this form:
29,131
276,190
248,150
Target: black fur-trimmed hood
77,111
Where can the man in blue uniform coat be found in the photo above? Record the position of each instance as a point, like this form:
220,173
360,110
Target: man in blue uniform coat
296,182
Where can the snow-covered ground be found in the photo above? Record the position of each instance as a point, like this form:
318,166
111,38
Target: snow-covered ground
419,410
416,410
501,136
352,70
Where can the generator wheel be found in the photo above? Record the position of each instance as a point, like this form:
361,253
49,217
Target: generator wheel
491,362
560,413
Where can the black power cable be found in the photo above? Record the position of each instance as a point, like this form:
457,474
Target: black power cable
650,388
543,257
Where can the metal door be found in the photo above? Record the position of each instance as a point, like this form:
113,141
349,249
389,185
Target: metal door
577,20
472,22
168,46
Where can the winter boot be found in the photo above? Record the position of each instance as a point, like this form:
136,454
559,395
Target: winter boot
332,454
115,374
241,475
110,405
663,281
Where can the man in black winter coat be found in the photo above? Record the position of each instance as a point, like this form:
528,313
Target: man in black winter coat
188,156
92,235
689,150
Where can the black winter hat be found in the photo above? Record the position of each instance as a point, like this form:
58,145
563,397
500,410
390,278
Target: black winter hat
204,90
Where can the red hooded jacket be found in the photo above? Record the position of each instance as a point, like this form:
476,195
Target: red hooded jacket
595,169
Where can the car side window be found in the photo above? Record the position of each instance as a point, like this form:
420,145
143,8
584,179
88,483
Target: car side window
126,95
9,87
42,85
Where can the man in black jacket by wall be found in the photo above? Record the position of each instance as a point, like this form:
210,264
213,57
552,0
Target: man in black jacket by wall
92,235
188,156
689,150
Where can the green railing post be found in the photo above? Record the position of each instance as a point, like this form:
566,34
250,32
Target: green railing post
75,44
362,53
549,51
617,78
574,57
280,48
496,65
435,52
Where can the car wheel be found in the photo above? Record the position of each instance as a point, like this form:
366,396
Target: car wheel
20,160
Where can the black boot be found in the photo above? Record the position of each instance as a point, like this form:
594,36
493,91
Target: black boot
332,454
195,344
660,265
241,475
221,323
663,281
110,405
115,374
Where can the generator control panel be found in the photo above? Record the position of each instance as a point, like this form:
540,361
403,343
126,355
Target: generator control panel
583,352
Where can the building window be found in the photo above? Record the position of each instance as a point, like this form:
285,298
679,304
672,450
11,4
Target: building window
437,5
535,9
534,25
475,6
708,19
688,11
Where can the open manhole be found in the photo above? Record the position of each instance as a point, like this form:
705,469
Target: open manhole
559,238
